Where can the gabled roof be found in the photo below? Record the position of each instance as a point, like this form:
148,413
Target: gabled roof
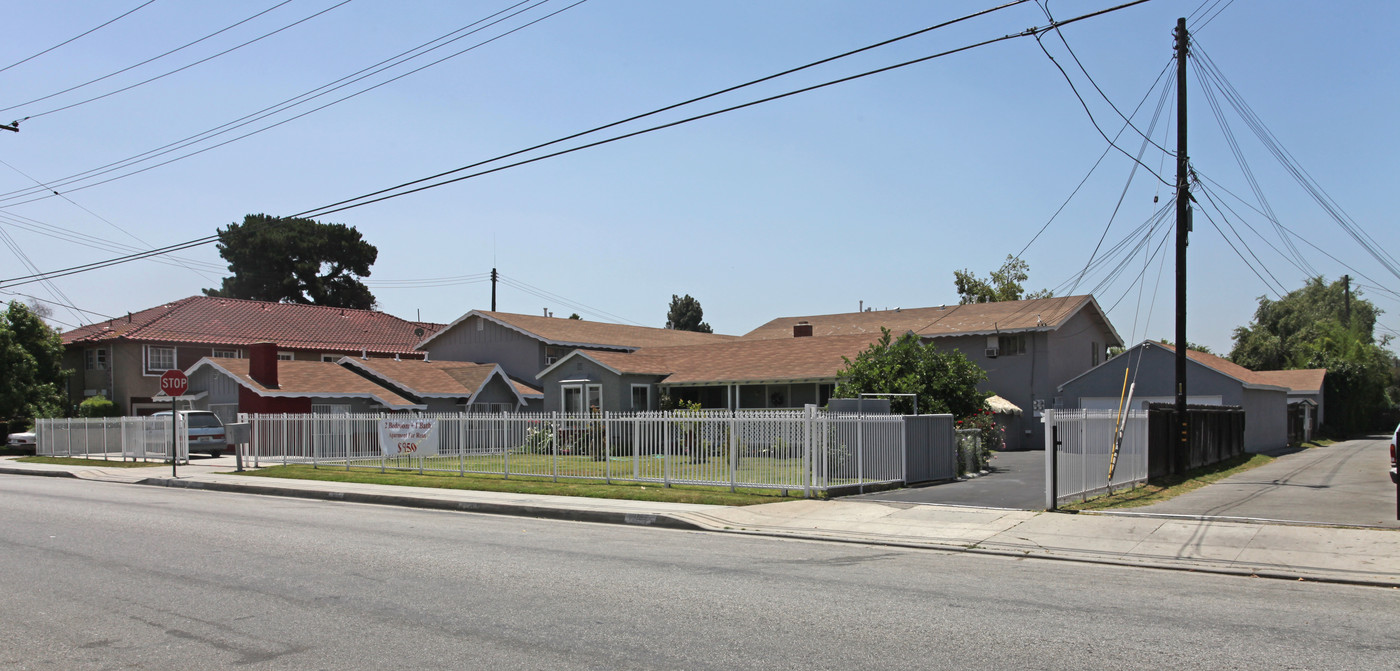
314,379
735,361
1041,314
1300,380
580,333
1250,379
436,379
236,322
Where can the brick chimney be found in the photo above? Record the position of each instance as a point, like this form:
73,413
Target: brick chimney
802,330
262,364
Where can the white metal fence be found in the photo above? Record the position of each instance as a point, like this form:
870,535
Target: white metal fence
1078,444
116,438
762,449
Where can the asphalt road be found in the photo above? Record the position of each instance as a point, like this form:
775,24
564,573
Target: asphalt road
1343,483
104,576
1017,480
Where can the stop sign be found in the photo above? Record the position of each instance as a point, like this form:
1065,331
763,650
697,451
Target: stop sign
174,382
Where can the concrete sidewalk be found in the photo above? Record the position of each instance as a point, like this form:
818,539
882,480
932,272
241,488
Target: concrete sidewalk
1334,554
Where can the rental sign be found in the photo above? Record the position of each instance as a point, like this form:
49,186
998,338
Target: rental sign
408,436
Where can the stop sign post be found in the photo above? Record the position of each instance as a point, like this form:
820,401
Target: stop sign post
174,383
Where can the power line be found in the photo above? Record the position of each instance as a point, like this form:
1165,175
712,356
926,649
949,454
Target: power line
148,60
71,39
337,207
286,105
332,209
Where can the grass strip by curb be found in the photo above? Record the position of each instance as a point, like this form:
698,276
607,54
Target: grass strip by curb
105,463
529,485
1168,487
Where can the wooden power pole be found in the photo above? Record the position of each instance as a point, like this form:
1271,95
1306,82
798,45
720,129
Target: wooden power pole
1181,455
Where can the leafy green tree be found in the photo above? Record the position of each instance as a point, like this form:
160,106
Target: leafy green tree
1004,284
1313,327
945,382
575,316
32,380
685,315
292,260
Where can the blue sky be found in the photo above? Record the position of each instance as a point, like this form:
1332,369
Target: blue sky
874,190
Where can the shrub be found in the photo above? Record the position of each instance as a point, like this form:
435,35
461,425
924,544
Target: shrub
98,406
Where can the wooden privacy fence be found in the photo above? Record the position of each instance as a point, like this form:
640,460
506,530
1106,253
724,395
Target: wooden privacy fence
1215,433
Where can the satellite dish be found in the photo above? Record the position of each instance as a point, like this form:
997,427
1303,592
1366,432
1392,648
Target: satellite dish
418,331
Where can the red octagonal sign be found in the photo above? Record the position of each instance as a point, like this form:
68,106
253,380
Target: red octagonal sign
174,382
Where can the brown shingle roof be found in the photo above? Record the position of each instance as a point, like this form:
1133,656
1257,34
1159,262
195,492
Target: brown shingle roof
437,378
1304,379
772,360
231,321
311,378
1042,314
1297,380
578,333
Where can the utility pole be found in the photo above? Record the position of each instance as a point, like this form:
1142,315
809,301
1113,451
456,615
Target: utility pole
1346,289
494,275
1181,455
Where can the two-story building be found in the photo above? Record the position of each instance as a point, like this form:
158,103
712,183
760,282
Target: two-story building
123,358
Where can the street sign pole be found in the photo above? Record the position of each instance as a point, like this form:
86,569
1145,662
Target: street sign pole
174,383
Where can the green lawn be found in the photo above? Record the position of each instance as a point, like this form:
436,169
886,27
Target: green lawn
529,485
1162,489
75,461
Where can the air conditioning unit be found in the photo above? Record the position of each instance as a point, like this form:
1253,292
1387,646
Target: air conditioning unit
992,352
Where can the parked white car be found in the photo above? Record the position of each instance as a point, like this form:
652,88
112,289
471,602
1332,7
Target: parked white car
25,440
206,431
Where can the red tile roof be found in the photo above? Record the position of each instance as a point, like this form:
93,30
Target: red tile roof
231,321
321,379
1042,314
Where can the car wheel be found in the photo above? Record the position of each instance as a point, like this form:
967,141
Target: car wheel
216,454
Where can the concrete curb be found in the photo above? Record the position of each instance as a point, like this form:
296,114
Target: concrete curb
406,501
29,471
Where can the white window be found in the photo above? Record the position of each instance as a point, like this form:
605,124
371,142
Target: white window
581,398
159,359
285,356
228,354
641,397
331,357
97,359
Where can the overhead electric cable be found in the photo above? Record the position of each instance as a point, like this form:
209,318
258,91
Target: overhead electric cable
281,107
148,60
322,211
80,35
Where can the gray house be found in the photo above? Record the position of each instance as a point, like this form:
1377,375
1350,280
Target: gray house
735,375
1210,380
524,345
447,386
1028,348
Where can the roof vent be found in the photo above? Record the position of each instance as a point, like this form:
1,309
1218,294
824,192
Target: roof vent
802,329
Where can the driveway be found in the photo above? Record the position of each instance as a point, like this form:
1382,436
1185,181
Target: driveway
1017,480
1344,483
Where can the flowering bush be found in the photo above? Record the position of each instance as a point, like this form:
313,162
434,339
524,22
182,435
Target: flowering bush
989,436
